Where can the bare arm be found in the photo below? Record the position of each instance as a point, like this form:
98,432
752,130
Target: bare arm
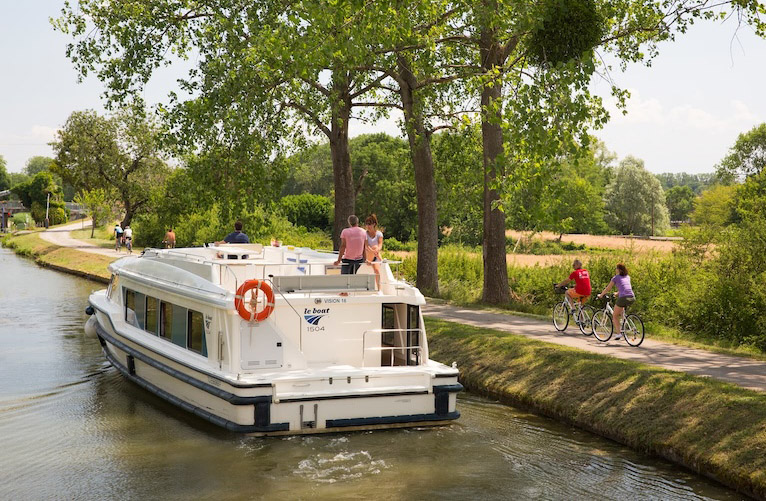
608,288
341,250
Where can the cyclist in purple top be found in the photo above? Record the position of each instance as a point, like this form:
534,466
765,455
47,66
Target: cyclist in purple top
625,296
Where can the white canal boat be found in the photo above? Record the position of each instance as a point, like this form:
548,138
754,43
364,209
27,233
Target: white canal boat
273,340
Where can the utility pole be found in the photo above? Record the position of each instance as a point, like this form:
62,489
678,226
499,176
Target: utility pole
47,206
652,214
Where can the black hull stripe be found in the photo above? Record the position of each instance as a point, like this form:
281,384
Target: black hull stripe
209,388
413,418
197,411
449,388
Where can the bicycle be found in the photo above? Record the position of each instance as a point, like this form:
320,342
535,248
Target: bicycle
117,243
582,314
129,245
632,326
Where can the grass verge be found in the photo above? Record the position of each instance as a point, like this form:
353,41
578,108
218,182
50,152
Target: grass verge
84,264
713,428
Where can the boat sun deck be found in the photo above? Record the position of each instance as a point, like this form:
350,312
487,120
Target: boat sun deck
210,328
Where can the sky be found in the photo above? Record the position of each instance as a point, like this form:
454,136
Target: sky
685,111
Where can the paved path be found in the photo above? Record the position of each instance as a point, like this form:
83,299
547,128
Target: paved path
61,236
745,372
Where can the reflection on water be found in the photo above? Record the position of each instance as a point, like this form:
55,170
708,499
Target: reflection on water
73,428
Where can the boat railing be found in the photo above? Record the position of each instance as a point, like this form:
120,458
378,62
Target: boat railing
408,350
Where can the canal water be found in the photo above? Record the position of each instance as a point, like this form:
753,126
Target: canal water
72,428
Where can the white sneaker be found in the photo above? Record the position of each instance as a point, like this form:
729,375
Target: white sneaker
618,337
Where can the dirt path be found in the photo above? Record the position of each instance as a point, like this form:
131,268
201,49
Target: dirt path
741,371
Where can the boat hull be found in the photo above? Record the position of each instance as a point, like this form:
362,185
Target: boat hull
268,408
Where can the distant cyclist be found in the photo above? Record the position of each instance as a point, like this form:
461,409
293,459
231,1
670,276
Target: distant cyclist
117,237
625,296
582,287
128,235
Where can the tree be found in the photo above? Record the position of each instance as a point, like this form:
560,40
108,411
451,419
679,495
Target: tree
714,207
697,182
747,157
34,195
119,154
635,202
96,205
5,179
680,201
37,164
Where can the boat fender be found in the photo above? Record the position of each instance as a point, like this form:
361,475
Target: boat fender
90,327
241,305
89,310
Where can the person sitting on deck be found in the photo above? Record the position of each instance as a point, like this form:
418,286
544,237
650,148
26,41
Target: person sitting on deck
351,251
236,236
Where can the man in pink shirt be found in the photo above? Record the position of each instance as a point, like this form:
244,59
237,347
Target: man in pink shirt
351,251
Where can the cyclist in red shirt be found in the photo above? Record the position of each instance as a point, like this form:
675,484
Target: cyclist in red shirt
582,288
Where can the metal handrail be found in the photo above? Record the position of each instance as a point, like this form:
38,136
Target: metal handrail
409,349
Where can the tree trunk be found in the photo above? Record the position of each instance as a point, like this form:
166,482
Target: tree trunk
345,193
496,289
425,183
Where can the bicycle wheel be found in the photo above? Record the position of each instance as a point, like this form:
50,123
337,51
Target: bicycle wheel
560,317
602,326
585,322
633,330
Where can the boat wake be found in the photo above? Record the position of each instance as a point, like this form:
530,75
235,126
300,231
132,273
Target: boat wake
330,468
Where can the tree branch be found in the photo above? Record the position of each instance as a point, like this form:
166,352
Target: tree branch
311,116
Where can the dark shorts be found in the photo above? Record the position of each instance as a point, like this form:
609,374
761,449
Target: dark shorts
625,301
349,266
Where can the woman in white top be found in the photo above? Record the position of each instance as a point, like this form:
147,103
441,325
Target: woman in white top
373,245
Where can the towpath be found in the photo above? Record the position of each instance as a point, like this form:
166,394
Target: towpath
61,235
745,372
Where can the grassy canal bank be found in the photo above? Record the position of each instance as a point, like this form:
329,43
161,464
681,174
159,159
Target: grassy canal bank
84,264
713,428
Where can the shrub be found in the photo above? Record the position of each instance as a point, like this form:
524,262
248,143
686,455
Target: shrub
307,210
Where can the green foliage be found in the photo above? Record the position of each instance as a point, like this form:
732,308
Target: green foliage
119,154
747,157
34,194
697,182
457,156
714,208
97,206
5,179
307,210
37,164
634,199
750,199
384,179
680,202
567,30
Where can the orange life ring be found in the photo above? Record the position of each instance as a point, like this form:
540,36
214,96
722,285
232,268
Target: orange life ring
240,303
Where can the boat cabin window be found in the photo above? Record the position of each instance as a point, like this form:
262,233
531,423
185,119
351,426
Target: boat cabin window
173,323
152,315
196,333
135,308
400,335
179,325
